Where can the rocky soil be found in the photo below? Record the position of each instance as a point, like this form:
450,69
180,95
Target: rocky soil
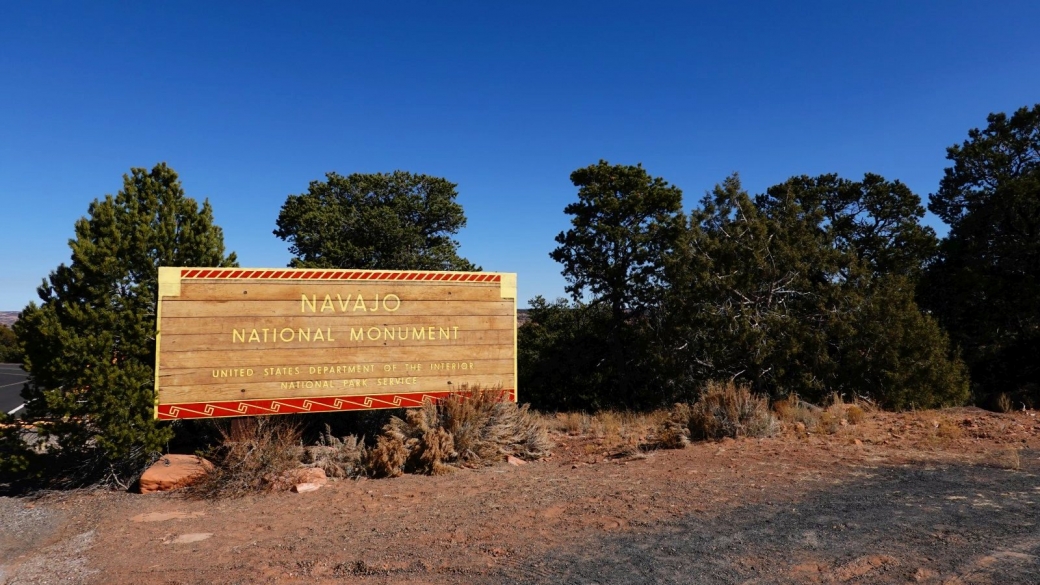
929,497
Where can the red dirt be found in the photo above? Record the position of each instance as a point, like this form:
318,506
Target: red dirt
934,497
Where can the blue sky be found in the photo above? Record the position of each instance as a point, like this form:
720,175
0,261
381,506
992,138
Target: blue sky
249,102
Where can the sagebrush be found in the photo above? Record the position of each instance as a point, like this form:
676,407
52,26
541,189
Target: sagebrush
471,428
724,409
253,453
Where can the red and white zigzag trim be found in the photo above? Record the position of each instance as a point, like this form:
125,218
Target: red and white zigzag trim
300,405
367,275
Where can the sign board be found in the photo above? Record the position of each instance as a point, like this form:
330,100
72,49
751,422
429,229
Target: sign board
243,341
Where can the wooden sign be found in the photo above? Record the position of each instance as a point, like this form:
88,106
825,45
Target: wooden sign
240,341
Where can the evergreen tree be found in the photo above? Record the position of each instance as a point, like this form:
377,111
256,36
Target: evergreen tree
90,343
395,221
985,282
808,289
626,226
10,352
560,356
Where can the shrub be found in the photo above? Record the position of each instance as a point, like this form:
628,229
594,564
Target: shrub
793,410
471,428
387,457
730,410
89,346
337,457
1004,403
724,409
10,351
855,414
674,432
252,454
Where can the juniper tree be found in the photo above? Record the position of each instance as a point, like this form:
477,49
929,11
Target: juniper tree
90,343
9,351
985,282
625,227
808,289
396,221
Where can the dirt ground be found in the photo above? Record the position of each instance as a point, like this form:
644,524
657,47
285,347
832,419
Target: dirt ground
929,497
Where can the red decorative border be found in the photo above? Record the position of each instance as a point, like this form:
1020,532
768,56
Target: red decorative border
299,405
303,274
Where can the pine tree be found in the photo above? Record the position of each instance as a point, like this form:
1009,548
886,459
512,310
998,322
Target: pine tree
90,343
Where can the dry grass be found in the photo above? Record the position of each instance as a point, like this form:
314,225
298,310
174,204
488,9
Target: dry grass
855,414
253,453
674,431
1004,403
611,432
1008,458
948,430
467,429
807,418
471,428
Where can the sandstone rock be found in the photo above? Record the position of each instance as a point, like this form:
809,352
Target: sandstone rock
515,461
293,477
163,516
190,538
315,475
173,471
302,488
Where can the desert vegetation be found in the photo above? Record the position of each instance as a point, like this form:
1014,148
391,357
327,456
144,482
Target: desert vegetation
472,428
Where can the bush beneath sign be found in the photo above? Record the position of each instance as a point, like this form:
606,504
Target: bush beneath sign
469,429
475,427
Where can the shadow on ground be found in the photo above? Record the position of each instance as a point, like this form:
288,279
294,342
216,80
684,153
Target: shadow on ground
915,523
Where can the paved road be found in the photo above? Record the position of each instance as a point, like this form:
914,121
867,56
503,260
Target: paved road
12,377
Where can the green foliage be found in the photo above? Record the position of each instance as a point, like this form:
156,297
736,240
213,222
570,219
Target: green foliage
624,226
90,344
10,351
754,302
875,221
985,282
561,354
396,221
894,353
17,459
790,290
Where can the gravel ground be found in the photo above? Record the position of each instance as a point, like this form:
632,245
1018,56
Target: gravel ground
934,524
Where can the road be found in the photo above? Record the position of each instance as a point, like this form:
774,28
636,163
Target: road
12,377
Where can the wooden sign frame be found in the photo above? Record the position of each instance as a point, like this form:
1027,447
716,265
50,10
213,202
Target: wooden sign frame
255,341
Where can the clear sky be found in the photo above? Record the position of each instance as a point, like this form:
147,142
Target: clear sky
251,101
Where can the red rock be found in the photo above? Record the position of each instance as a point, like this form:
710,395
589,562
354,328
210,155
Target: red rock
315,475
190,538
302,488
291,478
173,471
515,461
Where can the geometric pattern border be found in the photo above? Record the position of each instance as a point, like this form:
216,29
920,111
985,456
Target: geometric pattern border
228,408
366,275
